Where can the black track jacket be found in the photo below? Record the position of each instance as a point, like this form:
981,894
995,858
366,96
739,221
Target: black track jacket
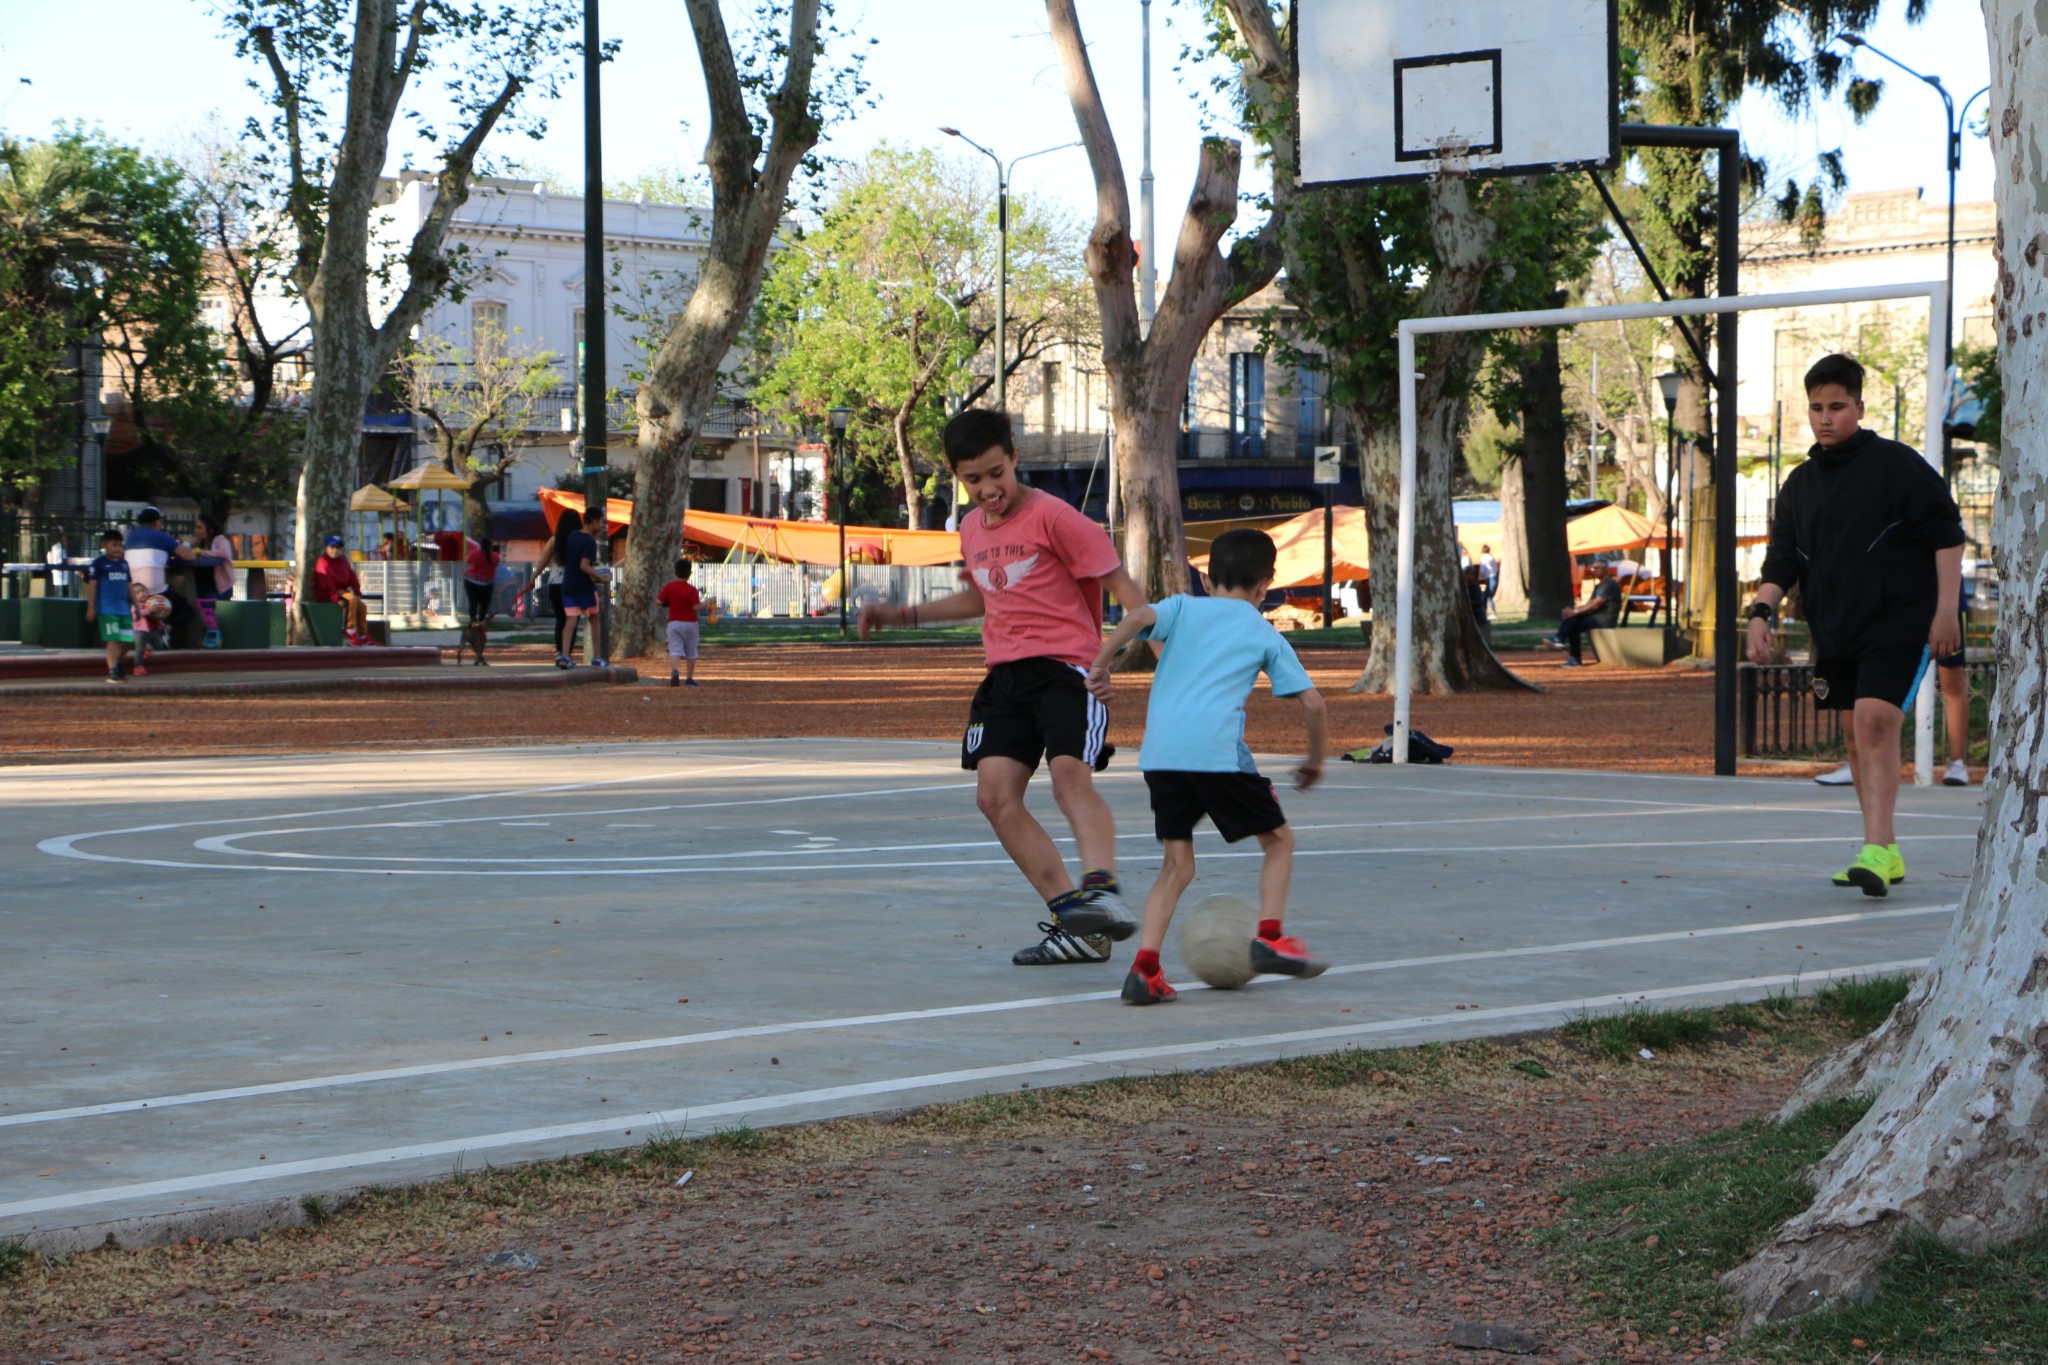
1855,531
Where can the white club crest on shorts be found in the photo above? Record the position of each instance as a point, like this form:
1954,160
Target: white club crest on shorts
1000,577
973,737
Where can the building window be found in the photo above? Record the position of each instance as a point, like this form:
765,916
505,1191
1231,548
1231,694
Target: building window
486,325
1247,405
1048,383
1311,411
576,331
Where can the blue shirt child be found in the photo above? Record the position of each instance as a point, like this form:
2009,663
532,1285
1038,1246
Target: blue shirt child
1212,652
110,578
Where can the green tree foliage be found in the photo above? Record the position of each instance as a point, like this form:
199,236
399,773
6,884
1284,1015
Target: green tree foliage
887,307
1980,375
99,244
1687,62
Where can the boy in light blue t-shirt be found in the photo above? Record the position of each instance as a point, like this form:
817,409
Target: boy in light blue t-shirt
1195,760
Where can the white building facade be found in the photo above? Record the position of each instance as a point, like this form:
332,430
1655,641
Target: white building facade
521,249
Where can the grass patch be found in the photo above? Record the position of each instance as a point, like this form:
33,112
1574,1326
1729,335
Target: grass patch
13,1256
1622,1036
1651,1234
1866,1003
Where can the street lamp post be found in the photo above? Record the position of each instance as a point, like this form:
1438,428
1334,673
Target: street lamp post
1003,253
101,428
840,417
1668,384
1954,123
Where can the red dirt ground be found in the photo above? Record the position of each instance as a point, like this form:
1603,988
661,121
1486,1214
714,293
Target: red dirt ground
1642,720
1323,1236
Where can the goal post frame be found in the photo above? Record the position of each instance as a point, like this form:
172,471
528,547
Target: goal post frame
1934,291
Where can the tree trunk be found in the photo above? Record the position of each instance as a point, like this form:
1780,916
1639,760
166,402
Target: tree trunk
1148,373
333,444
1545,482
906,462
476,511
1512,597
1155,534
1450,653
1957,1142
749,193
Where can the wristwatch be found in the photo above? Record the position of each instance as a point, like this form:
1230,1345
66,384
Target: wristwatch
1759,611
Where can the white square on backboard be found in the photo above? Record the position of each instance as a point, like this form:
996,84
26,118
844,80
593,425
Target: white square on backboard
1447,102
1362,66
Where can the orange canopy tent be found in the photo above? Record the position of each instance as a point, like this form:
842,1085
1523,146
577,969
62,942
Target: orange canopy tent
808,542
1299,541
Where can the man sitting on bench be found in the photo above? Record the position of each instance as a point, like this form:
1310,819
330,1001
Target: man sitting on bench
1599,611
334,580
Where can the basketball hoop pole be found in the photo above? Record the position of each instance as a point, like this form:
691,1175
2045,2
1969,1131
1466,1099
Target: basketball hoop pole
1934,291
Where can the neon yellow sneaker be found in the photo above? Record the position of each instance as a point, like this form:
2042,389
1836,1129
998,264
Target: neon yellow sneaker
1871,873
1894,873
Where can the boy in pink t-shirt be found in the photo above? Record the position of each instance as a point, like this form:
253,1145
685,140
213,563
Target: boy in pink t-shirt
1035,573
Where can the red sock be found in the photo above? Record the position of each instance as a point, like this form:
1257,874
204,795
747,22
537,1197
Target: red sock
1269,929
1146,963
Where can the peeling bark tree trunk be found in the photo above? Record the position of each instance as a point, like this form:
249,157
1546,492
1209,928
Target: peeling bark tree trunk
332,265
1450,653
1957,1142
749,191
1546,573
1148,374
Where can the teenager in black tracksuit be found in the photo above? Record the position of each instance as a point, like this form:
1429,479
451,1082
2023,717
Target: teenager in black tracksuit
1867,531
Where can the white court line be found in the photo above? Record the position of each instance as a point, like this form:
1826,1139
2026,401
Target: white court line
232,843
896,1085
598,868
906,1016
65,846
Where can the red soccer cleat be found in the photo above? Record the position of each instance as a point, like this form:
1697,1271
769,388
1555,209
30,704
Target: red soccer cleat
1286,957
1140,989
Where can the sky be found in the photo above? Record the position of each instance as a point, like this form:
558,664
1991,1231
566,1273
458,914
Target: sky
156,72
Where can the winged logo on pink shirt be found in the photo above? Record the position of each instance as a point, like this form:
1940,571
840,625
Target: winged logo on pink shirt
999,577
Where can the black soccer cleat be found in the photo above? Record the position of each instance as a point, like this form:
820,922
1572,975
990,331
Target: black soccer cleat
1060,947
1099,911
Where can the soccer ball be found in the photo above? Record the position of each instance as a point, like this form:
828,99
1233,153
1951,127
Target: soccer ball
1216,940
156,607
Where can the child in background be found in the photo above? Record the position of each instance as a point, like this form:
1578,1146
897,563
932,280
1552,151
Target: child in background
109,601
681,599
1194,758
151,613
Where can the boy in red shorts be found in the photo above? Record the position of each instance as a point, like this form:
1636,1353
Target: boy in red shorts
1867,531
1035,572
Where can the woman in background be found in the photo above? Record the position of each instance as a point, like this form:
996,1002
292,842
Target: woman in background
479,583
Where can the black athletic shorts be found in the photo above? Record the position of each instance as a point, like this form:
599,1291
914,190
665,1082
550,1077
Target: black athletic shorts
1240,804
1036,708
1889,673
479,595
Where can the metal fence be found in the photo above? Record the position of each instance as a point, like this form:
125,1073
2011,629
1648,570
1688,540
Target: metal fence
1778,719
766,590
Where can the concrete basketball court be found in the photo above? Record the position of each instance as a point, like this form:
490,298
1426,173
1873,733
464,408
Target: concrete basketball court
244,980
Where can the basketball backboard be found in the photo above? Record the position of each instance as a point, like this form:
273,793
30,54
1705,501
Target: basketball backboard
1391,89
